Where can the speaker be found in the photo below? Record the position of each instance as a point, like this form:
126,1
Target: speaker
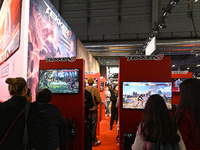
129,140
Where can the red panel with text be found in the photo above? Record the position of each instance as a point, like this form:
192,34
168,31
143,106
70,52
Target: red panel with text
175,78
138,71
71,105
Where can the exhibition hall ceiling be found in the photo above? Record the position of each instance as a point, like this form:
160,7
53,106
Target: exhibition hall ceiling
111,29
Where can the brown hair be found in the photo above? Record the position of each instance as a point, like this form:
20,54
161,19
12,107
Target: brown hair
16,85
44,96
28,92
157,124
90,81
189,100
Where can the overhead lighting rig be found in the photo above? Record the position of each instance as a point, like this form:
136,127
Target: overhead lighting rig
161,22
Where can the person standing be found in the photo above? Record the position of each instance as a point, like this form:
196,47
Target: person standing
14,107
93,111
114,109
107,101
157,128
53,122
187,114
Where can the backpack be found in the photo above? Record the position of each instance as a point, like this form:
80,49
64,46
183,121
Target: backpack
160,146
95,104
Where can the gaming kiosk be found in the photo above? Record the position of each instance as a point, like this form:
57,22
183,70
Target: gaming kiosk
143,75
177,78
102,94
70,101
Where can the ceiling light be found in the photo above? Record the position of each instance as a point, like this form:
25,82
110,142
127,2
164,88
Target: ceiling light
188,68
173,65
198,65
195,0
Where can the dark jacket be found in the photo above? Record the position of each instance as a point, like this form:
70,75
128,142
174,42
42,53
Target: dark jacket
9,110
88,102
114,96
53,124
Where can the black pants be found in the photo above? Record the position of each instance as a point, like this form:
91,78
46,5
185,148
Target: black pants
114,112
93,115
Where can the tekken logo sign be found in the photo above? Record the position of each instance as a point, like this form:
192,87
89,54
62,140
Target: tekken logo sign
143,57
70,59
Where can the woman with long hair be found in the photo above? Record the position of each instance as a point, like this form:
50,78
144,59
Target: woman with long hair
187,114
114,109
157,126
9,111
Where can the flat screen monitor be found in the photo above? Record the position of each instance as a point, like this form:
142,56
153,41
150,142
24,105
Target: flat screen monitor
101,86
95,82
59,80
176,84
136,94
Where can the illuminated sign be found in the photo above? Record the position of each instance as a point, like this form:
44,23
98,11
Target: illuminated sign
143,57
151,47
70,59
180,72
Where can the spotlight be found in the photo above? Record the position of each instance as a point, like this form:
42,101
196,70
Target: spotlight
162,25
173,65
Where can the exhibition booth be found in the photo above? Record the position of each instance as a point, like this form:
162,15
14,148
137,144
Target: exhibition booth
32,32
143,75
37,44
177,78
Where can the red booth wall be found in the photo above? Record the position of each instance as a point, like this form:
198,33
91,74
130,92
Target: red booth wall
176,95
71,105
138,70
102,94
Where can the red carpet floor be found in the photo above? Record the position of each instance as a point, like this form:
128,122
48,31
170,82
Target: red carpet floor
107,136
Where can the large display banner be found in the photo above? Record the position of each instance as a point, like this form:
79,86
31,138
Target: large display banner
49,36
9,28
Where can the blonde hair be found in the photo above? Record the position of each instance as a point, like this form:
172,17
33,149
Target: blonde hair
16,85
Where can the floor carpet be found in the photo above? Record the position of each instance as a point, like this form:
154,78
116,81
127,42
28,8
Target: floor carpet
107,136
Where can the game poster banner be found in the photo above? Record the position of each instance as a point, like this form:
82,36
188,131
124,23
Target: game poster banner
9,28
49,36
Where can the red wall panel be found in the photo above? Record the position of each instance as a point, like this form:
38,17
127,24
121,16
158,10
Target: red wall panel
176,95
102,94
71,105
139,70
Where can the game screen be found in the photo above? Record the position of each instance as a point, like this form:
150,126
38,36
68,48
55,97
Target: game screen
59,80
95,82
176,84
136,94
10,12
101,86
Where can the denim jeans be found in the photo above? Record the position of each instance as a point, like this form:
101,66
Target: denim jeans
107,107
